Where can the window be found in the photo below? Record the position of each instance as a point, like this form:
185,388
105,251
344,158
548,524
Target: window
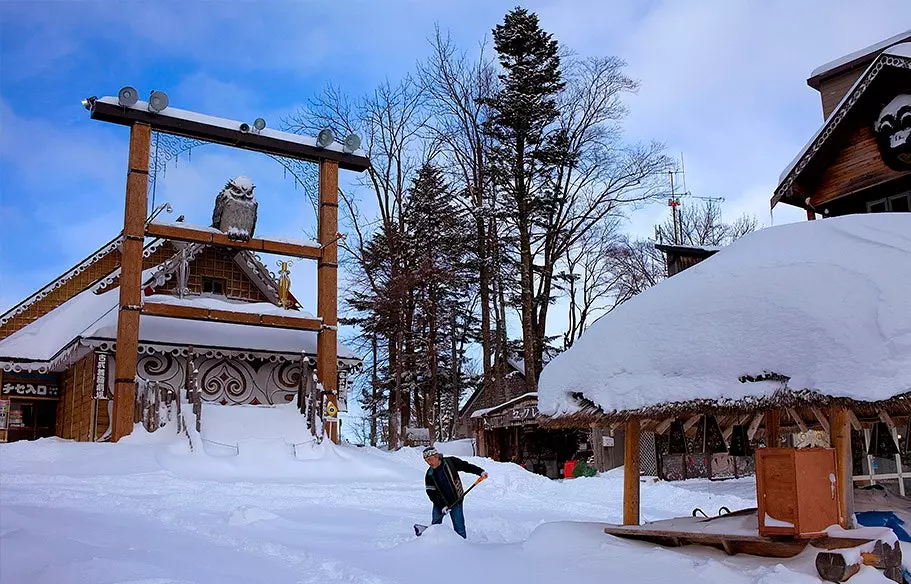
895,204
213,286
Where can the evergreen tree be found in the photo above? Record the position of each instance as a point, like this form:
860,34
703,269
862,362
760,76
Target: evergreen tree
524,146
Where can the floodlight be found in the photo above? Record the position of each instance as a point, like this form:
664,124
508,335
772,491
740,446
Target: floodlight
158,100
352,143
259,124
325,138
89,102
127,96
244,127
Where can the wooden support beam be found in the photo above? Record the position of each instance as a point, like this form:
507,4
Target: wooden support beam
134,216
797,419
691,422
821,418
839,422
855,423
663,426
230,316
189,234
631,474
327,294
773,429
754,426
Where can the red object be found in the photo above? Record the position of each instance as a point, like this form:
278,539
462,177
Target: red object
568,467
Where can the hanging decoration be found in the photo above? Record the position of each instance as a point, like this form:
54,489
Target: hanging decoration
740,441
709,439
676,442
284,283
881,441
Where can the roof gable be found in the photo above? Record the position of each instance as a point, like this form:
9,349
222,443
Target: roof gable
816,154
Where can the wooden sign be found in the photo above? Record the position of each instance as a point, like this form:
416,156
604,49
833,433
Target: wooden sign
4,414
521,414
101,376
31,389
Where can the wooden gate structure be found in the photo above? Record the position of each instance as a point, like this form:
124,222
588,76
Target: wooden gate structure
143,120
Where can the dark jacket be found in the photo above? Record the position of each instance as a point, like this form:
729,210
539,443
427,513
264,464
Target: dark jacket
451,466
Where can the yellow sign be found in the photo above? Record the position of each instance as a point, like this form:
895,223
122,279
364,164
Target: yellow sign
331,410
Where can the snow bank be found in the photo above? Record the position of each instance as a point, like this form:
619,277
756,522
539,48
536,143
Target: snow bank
822,302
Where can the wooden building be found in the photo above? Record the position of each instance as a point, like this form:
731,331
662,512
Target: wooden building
176,312
859,161
506,426
57,346
681,257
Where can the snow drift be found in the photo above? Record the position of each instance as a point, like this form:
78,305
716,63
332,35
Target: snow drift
824,303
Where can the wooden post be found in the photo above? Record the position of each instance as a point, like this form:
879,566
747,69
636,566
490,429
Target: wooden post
773,429
631,474
134,216
597,438
840,425
327,294
811,215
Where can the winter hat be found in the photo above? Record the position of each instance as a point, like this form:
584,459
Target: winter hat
430,451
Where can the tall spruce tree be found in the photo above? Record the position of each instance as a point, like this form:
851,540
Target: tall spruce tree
438,248
524,146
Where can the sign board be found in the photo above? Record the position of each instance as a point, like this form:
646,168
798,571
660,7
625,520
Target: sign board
342,396
607,441
522,414
30,390
101,376
4,414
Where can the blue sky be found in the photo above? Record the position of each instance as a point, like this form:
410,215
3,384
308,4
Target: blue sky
722,82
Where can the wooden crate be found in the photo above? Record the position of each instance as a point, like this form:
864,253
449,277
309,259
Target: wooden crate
795,491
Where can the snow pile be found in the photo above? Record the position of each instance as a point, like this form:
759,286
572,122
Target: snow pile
222,303
824,303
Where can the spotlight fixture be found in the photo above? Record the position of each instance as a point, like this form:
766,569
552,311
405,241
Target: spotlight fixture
158,100
259,124
352,143
325,138
89,102
127,96
244,127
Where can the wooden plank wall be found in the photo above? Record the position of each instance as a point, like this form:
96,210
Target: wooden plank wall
219,263
858,165
75,408
833,90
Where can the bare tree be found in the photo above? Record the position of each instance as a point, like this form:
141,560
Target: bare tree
703,225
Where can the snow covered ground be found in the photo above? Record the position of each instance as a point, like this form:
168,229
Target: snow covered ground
265,508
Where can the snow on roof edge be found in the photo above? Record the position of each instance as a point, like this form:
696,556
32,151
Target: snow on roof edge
859,54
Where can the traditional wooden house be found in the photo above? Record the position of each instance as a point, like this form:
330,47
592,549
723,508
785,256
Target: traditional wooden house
57,346
859,161
680,257
506,425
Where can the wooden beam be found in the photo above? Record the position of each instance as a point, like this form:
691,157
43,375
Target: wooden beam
884,416
754,426
631,474
223,131
839,422
773,429
189,234
797,419
855,423
663,426
327,294
821,418
134,216
230,316
691,422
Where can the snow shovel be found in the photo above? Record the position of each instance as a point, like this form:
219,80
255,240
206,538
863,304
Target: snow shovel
419,529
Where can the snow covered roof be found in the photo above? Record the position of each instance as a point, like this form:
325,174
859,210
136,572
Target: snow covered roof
483,412
822,305
94,316
699,249
851,97
841,62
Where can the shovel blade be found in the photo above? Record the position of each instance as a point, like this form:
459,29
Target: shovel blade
419,529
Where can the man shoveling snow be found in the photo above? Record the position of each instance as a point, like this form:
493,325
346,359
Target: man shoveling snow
444,487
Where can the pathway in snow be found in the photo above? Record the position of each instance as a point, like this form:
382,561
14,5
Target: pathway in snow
149,512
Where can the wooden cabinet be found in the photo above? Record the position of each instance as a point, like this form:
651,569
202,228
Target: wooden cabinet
796,491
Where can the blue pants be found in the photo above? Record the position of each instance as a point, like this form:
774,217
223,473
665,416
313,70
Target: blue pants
455,514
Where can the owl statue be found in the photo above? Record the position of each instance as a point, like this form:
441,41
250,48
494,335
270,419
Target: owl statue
235,209
893,132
